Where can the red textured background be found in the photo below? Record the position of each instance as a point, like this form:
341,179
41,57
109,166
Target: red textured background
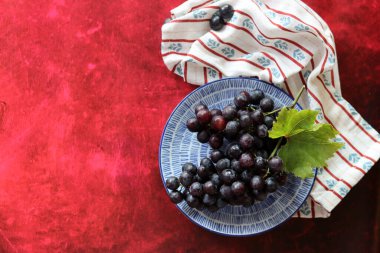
85,96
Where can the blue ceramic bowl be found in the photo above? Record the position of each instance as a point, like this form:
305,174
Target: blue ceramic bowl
178,146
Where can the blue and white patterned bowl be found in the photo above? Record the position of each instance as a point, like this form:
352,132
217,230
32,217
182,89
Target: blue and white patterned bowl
178,146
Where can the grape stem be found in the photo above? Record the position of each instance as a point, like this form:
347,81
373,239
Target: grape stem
276,148
266,174
251,108
289,107
297,98
292,105
272,112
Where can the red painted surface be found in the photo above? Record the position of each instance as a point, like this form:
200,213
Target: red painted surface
85,98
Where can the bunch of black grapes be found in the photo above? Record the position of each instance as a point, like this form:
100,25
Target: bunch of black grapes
242,171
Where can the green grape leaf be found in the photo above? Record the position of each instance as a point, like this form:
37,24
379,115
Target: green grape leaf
309,149
290,122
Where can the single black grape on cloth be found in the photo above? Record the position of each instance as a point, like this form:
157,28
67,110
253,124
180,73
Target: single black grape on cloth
216,22
242,167
226,11
221,17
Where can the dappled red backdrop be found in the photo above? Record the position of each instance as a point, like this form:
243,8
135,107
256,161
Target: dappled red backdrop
84,98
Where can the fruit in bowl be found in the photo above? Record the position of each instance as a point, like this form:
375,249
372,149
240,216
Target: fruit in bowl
239,173
250,151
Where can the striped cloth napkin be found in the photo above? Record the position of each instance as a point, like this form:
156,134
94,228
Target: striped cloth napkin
288,44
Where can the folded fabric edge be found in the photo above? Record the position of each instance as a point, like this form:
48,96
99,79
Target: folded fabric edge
311,209
331,198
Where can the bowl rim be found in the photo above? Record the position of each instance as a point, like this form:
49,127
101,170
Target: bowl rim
163,180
